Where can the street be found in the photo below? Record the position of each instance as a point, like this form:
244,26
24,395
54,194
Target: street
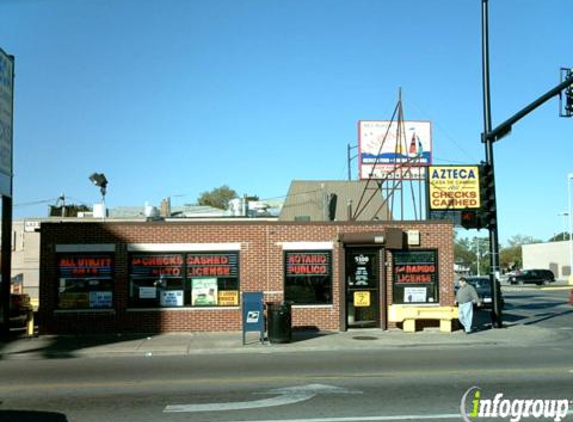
400,383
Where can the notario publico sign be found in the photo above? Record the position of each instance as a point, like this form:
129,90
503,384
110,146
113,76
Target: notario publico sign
453,187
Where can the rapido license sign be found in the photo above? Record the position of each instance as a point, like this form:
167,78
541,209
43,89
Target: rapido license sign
453,187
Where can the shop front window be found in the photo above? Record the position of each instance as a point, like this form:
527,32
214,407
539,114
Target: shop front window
415,275
179,279
308,277
85,281
213,278
156,280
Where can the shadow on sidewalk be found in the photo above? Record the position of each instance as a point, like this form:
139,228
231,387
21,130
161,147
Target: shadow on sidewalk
31,416
300,334
60,346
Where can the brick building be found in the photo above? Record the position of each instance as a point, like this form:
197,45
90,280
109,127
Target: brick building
182,275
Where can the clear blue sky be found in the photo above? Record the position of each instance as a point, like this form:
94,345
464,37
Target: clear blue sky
175,97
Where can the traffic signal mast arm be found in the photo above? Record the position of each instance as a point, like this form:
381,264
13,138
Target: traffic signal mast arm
504,128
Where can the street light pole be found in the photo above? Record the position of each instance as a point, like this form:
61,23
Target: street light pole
569,179
565,229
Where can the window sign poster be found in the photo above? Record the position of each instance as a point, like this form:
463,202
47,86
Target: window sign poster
204,291
147,292
415,294
101,299
228,298
74,300
170,298
362,299
415,276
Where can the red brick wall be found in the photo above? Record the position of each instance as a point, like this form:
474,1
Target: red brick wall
261,269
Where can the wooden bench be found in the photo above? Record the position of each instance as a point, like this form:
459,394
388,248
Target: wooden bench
408,315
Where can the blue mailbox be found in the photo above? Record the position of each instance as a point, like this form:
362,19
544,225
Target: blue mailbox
253,314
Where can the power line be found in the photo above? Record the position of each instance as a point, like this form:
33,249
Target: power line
39,202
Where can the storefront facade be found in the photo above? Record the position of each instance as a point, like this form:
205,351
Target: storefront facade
188,276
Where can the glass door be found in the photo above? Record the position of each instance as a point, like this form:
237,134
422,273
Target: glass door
362,288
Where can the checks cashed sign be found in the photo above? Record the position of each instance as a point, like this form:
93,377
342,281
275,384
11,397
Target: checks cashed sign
453,187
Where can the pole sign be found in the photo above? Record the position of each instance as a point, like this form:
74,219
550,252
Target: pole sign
6,121
253,315
453,188
389,150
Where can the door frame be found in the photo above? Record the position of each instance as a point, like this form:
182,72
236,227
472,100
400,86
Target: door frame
382,317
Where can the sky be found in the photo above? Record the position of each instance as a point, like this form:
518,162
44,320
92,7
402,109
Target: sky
171,98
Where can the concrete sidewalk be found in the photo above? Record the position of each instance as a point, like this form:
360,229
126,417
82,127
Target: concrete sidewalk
184,344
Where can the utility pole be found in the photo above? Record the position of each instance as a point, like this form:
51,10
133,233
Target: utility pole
349,158
478,253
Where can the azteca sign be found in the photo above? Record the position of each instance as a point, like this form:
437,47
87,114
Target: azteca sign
453,187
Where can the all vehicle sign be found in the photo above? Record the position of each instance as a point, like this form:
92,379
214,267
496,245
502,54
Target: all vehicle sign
453,187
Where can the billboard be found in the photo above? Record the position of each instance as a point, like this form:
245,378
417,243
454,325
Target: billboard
453,188
6,121
394,150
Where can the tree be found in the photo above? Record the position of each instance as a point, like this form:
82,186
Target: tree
559,237
511,257
218,197
462,252
467,251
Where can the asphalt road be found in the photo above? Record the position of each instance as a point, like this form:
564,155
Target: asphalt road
412,383
546,307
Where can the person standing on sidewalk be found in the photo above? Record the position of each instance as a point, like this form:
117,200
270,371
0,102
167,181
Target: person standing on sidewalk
466,296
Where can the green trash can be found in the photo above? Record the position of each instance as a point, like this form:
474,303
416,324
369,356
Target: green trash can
279,319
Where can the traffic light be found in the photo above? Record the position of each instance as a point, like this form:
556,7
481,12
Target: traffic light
487,193
468,219
569,101
566,104
472,219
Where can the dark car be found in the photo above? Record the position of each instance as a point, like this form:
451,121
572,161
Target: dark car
535,276
20,306
484,291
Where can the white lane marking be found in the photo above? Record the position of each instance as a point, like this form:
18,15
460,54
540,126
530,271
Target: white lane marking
367,418
243,405
372,418
289,395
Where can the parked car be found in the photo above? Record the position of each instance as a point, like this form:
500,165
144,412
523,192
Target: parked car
484,290
535,276
20,305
